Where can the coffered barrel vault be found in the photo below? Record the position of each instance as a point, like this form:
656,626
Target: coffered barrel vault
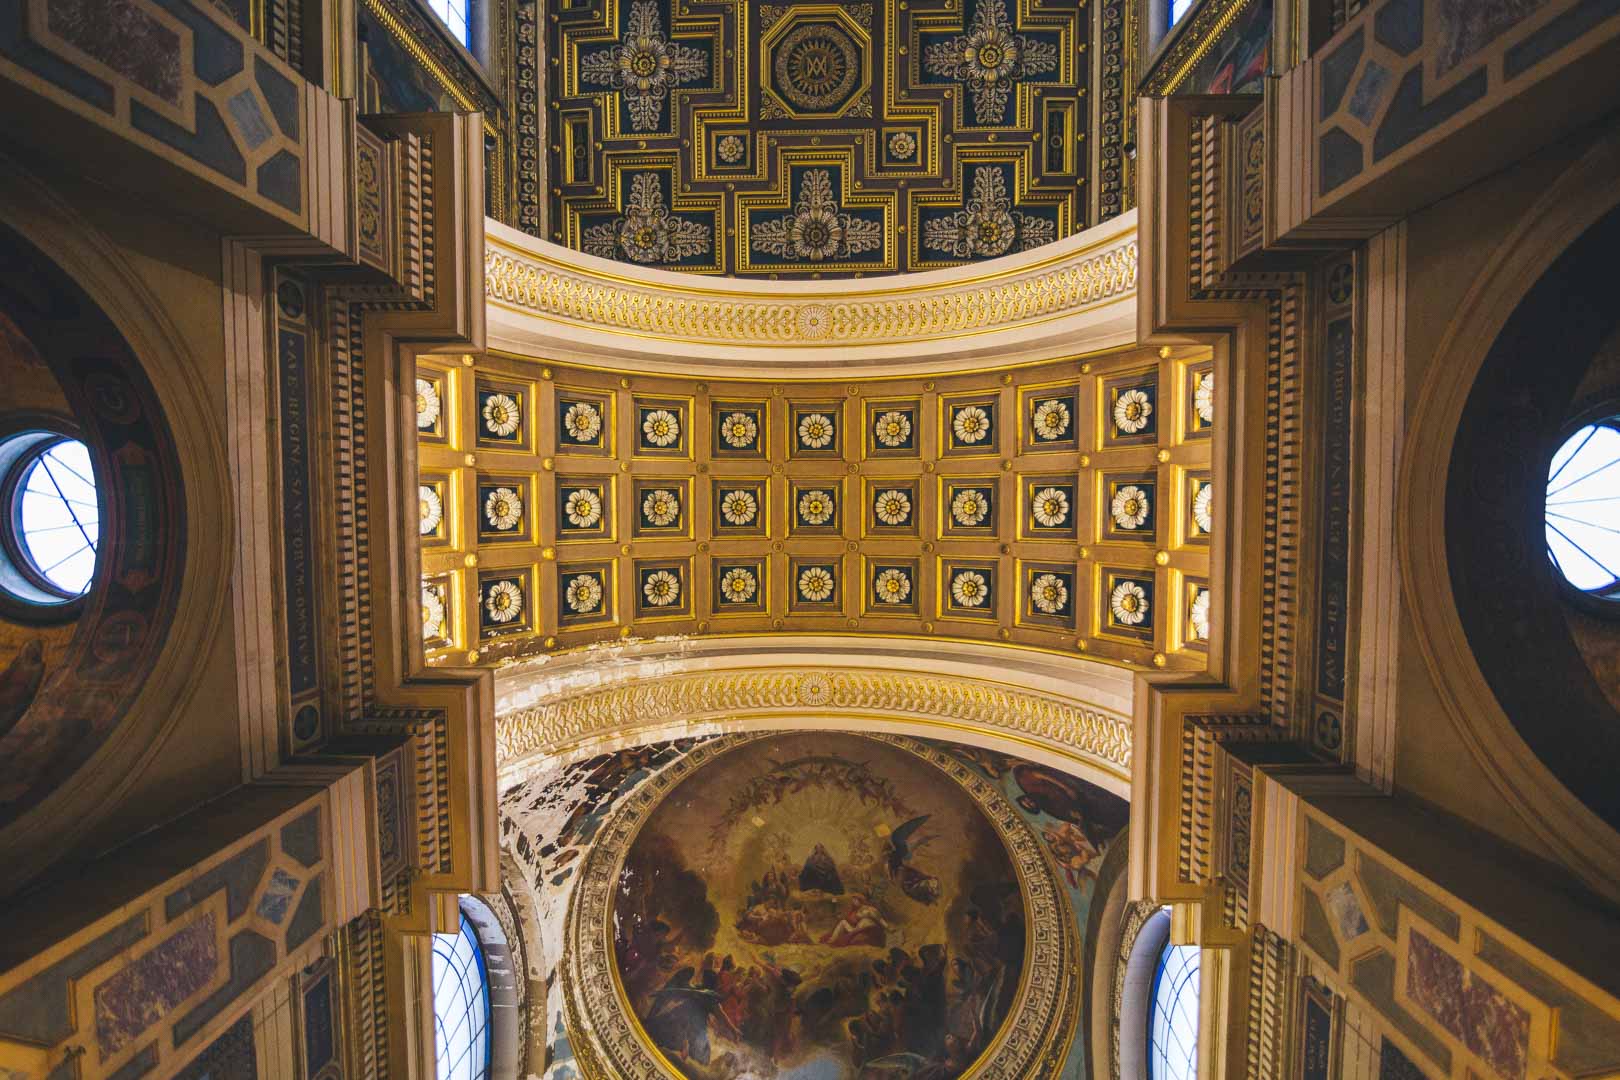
808,139
1062,506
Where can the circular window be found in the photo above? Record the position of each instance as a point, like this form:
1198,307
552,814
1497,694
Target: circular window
1173,1015
51,521
460,1005
1583,509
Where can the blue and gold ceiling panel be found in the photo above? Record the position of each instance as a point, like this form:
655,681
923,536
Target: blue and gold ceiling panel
817,139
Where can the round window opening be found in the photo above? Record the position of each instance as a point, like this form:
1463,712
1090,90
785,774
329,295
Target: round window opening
1583,510
52,518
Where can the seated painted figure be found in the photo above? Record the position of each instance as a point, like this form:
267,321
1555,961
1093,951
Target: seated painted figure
862,924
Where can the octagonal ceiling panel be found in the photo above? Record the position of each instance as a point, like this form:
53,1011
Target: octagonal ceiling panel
798,139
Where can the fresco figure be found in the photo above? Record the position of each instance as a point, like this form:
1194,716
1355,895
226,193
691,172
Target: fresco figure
785,911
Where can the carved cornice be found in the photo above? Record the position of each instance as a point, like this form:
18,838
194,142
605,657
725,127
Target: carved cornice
1099,738
543,293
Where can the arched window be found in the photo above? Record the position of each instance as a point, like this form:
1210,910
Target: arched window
1583,509
50,518
1173,1015
461,1005
455,15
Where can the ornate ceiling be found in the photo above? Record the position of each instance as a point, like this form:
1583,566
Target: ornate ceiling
1064,506
800,139
922,904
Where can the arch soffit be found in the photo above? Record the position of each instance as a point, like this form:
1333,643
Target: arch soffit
1581,196
1068,712
1072,298
192,420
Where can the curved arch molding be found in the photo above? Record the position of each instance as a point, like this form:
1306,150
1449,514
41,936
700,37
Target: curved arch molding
1573,832
1071,298
1069,712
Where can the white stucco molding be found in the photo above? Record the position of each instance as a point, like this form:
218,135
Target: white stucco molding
1072,298
1070,712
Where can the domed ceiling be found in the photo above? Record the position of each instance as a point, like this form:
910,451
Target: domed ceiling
812,139
829,905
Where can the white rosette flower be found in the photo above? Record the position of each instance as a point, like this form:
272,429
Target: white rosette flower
1051,420
661,427
1051,507
501,415
504,601
1132,409
739,507
432,615
660,507
661,588
503,508
816,431
816,507
1204,397
893,428
739,585
969,508
1049,593
584,594
971,424
1198,615
1130,508
893,507
583,508
428,405
1129,603
431,508
582,421
815,584
739,430
892,586
970,589
1200,507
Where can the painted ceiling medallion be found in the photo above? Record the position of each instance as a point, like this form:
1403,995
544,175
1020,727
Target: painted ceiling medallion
770,868
803,138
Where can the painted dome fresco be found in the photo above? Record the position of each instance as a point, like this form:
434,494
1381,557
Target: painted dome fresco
810,139
820,905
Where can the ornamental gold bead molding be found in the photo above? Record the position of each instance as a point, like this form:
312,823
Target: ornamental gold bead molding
1073,297
949,706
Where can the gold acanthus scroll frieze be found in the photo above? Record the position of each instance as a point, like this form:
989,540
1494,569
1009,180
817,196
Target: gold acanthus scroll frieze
1003,297
1099,737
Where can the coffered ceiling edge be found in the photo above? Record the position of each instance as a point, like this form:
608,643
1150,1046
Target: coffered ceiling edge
1070,712
1071,298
